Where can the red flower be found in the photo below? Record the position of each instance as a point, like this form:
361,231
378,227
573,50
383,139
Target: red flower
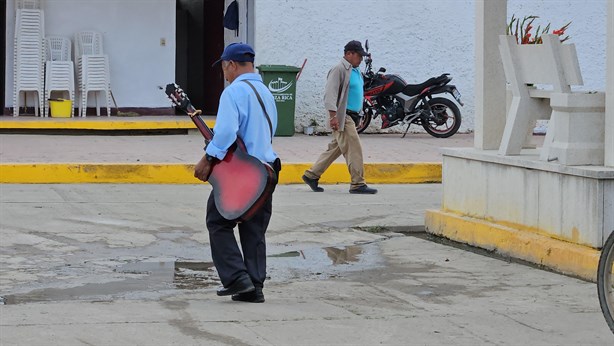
526,37
515,28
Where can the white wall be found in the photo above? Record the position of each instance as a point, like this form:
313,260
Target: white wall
131,29
413,38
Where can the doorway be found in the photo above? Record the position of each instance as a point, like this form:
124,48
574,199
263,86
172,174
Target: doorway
2,55
200,42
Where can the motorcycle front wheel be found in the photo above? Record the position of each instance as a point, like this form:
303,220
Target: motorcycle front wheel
363,122
445,119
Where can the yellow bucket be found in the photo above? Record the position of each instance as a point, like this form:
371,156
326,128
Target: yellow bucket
60,108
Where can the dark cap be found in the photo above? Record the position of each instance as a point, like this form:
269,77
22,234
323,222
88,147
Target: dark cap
355,46
237,52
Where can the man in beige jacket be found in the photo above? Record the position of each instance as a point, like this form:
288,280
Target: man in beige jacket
343,95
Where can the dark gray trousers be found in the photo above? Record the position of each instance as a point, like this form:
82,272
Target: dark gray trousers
227,257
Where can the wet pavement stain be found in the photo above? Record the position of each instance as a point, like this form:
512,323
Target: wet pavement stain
154,276
181,274
147,279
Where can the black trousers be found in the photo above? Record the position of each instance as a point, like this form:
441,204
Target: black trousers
227,258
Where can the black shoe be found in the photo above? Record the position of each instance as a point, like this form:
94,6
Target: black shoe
313,184
242,284
364,189
255,296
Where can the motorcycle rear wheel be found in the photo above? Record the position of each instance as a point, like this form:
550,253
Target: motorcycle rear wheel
364,122
451,114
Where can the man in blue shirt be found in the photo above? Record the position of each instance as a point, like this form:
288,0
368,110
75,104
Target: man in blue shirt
240,114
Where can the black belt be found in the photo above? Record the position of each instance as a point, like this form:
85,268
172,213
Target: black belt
276,165
354,115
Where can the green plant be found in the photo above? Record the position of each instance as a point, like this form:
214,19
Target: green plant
523,33
313,122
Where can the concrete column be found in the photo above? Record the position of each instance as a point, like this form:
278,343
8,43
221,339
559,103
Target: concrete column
251,22
609,110
490,96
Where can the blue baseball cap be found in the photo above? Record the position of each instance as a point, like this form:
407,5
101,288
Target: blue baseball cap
237,52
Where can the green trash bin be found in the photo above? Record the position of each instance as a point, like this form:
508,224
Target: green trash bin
281,81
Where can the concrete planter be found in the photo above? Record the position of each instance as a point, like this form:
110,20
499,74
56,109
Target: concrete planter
550,63
579,128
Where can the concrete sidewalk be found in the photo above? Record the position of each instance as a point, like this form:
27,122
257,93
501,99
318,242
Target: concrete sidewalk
187,149
115,155
38,158
104,264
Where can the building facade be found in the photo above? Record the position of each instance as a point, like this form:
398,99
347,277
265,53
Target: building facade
152,42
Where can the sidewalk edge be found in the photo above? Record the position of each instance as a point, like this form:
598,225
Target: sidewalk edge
558,255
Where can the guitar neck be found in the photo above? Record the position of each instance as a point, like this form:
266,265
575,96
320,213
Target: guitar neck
199,122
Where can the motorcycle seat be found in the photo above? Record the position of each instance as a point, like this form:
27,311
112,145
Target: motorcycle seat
415,89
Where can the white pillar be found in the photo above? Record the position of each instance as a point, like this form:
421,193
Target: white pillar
609,107
490,97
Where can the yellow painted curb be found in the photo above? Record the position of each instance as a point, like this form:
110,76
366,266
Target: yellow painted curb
69,173
564,257
164,173
375,173
99,124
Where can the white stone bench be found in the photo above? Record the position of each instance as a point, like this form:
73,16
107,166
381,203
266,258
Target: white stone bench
576,128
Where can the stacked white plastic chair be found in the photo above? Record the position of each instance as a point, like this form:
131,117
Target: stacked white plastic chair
59,70
29,4
92,69
29,55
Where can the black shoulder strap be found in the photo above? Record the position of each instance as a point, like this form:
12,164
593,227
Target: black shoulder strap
263,108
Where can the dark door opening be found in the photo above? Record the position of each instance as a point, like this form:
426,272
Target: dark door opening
2,54
200,42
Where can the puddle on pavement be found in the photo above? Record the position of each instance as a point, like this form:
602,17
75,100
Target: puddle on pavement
344,255
322,263
150,276
150,279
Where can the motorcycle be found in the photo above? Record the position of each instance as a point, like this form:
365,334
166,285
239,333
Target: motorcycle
399,103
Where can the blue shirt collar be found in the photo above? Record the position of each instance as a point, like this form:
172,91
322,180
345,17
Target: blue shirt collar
248,76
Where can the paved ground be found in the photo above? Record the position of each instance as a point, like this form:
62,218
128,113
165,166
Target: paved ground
128,264
24,148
